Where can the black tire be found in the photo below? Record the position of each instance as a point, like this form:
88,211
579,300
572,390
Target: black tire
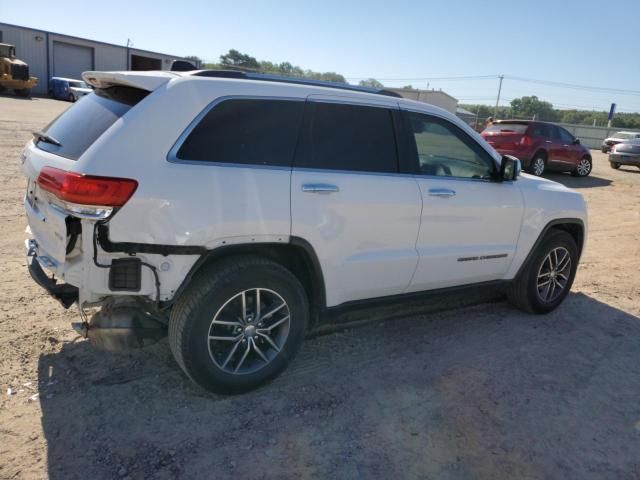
22,92
523,290
210,290
71,98
581,172
614,165
538,164
604,150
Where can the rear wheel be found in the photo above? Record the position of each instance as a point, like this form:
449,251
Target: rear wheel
538,164
239,325
547,277
614,165
71,97
583,168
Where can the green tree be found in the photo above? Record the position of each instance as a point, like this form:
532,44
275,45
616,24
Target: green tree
371,83
233,58
528,107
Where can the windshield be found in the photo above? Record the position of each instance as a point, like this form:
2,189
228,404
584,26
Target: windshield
507,128
78,84
7,51
83,123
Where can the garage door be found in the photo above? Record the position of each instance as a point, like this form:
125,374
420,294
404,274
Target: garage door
71,60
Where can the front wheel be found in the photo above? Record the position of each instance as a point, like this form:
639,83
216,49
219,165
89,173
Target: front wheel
71,98
239,325
614,165
583,169
547,277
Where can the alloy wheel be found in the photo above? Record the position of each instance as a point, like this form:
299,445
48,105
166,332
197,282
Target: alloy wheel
538,166
584,167
248,331
553,275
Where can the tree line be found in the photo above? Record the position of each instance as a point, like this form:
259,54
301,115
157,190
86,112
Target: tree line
526,107
529,107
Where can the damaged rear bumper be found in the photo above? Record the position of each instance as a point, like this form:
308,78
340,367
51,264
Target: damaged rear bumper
65,293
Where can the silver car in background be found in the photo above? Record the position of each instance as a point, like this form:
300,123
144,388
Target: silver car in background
618,137
626,153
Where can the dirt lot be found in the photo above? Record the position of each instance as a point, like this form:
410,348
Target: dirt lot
483,391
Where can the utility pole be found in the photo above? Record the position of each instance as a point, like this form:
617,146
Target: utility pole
495,112
129,45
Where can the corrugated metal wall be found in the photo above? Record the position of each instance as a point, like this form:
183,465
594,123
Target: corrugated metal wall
31,47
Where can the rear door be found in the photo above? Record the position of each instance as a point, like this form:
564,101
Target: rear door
557,152
350,202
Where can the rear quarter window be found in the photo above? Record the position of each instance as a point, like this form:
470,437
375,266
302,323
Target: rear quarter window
78,127
245,131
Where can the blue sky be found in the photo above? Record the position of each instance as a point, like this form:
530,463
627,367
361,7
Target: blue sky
578,42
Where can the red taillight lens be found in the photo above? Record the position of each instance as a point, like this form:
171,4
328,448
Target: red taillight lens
86,189
525,141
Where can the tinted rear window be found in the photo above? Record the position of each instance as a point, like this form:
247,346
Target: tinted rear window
349,137
79,126
246,131
507,128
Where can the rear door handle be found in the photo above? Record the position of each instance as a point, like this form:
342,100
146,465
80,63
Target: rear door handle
319,188
442,192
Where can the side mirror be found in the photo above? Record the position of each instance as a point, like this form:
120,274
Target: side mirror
509,168
576,141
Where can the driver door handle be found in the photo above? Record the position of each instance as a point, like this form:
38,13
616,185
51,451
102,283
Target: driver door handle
442,192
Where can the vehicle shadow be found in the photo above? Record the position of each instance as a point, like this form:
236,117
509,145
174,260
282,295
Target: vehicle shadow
577,182
16,97
484,392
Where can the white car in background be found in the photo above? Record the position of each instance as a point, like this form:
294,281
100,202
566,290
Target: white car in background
237,210
618,137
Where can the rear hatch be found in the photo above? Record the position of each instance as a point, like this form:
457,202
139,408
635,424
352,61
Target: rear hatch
61,144
505,136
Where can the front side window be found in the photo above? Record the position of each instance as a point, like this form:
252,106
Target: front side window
348,137
565,136
445,150
246,131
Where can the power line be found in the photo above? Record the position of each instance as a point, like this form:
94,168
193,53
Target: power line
574,86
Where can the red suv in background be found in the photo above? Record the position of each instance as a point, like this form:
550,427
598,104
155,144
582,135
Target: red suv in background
540,146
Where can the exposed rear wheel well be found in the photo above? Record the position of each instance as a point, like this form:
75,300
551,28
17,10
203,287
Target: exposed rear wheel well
298,257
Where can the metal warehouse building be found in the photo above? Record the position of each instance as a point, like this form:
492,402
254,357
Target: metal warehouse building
50,54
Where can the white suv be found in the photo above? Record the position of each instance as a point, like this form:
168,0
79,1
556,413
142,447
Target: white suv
239,209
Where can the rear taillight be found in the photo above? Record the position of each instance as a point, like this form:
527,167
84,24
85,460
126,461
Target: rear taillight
525,141
82,193
86,189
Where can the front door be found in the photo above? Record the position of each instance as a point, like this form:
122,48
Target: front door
470,223
350,202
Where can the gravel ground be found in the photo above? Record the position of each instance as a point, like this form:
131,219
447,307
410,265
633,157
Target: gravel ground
482,391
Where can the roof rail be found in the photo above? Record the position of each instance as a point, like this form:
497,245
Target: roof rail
265,77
